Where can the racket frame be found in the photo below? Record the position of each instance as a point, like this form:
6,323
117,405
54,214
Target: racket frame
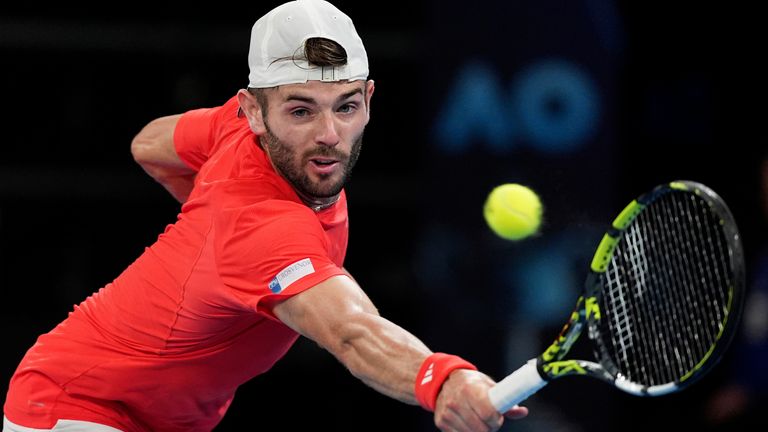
586,315
601,260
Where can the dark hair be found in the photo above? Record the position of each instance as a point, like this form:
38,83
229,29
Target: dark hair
317,52
324,52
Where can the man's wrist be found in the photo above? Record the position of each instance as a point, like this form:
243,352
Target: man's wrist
433,373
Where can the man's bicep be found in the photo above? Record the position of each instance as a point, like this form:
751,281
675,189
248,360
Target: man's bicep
319,311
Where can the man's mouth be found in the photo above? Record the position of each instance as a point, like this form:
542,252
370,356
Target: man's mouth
323,161
324,165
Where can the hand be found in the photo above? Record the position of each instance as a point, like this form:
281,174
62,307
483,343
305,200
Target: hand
463,404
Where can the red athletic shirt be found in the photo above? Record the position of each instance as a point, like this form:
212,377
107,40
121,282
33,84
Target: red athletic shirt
166,344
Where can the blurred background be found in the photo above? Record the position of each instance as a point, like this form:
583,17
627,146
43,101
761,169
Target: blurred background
590,102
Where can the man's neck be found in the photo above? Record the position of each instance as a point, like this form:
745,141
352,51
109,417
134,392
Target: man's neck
317,203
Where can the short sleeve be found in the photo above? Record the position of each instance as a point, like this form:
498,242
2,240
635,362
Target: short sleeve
199,133
270,251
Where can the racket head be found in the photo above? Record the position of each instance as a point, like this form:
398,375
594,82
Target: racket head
667,289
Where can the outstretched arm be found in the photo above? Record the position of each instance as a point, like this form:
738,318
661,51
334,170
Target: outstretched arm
339,317
153,149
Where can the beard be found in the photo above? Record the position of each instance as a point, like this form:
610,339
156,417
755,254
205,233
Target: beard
291,165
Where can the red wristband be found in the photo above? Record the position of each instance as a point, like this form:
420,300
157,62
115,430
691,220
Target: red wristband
433,372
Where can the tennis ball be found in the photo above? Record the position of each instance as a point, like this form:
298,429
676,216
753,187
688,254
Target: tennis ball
513,211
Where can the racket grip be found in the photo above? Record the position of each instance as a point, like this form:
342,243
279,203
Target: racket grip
516,387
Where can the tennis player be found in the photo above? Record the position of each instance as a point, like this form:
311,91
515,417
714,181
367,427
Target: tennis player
254,260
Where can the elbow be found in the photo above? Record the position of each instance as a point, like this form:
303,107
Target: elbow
139,149
153,149
144,144
154,143
145,150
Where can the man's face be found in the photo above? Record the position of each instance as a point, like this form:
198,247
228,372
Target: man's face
314,133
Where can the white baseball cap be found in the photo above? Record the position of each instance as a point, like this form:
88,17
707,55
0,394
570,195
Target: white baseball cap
277,45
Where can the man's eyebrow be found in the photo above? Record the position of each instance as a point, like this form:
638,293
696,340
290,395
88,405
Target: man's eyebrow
311,100
300,98
350,93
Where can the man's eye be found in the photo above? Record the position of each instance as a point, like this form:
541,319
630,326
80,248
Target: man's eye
301,112
347,108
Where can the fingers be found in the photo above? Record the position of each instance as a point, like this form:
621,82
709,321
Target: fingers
463,405
455,423
516,413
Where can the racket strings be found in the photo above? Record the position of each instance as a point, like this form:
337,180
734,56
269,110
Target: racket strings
666,291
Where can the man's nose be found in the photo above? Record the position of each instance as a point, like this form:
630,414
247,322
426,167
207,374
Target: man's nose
327,130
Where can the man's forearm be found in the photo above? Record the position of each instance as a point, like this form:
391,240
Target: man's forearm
339,316
382,355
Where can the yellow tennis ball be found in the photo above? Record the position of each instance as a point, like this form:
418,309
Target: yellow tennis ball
513,211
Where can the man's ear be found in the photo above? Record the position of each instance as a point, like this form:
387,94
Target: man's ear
369,88
250,107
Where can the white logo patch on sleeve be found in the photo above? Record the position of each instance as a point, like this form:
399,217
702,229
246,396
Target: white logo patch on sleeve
291,274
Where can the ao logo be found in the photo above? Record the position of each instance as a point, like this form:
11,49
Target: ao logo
552,105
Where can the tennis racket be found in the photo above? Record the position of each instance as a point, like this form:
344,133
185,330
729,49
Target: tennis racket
661,302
